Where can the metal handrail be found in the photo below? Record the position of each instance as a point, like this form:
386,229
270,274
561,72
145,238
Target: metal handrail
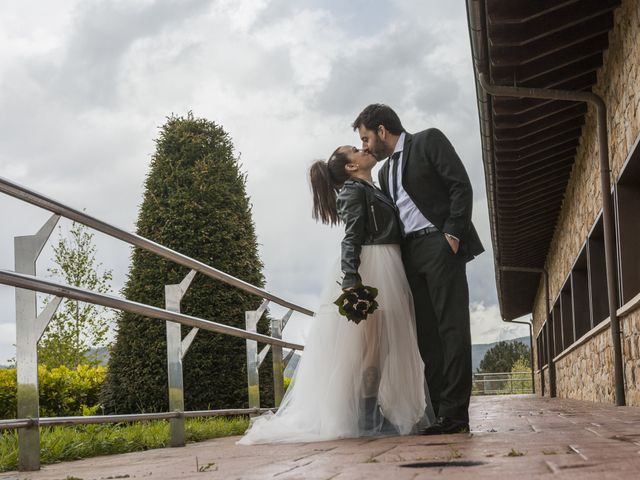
125,418
22,193
27,283
492,383
30,282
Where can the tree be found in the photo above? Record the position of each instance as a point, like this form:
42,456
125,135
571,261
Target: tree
503,356
522,364
523,383
77,328
194,202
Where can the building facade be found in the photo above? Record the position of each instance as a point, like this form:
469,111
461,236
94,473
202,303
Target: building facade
576,46
582,341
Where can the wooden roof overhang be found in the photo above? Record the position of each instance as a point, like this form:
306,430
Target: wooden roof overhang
529,145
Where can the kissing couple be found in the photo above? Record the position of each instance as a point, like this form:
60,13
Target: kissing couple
405,366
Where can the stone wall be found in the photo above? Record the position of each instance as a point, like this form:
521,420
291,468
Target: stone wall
619,85
536,383
587,372
631,355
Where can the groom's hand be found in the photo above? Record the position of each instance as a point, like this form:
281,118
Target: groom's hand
454,243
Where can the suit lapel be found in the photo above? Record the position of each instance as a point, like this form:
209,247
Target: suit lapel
406,150
383,176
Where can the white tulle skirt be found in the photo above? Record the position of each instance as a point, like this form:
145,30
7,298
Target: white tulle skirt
354,380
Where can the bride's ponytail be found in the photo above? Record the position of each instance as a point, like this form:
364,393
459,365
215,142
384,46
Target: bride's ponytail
326,179
324,193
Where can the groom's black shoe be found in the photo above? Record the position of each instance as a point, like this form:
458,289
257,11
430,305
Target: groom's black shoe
444,425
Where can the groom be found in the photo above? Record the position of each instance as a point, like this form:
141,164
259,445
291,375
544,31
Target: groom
428,183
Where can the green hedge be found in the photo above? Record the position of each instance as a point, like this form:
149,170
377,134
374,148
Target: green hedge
63,392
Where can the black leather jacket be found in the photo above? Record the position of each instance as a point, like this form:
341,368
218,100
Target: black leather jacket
370,218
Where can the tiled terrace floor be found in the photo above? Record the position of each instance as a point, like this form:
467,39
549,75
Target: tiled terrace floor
512,437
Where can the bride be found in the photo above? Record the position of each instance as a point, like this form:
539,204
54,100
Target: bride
354,379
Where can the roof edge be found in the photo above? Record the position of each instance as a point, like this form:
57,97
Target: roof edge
477,37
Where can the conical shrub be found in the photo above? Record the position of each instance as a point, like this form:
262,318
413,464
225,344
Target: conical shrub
195,203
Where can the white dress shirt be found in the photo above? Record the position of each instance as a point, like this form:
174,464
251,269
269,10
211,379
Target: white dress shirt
410,217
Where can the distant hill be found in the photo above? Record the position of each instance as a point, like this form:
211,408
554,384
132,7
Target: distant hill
478,350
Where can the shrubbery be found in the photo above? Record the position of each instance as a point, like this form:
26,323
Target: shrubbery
63,392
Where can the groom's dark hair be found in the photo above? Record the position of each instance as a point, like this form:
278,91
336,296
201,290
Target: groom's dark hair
378,114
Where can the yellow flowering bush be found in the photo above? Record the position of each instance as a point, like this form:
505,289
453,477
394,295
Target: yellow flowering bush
7,393
63,392
287,382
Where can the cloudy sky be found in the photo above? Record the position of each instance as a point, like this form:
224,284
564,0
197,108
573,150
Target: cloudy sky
85,85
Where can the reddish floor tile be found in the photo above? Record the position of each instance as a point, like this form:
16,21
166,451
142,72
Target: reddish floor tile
518,436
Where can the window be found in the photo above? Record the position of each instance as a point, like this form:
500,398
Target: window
597,275
543,343
628,225
566,307
539,350
556,333
580,296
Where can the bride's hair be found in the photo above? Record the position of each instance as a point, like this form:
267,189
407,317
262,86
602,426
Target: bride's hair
327,179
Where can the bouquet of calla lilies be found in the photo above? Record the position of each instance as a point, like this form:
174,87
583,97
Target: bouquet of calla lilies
357,302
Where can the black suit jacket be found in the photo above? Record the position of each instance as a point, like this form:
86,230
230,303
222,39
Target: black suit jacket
435,179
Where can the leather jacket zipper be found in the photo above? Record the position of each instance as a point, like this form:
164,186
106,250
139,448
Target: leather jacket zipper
373,215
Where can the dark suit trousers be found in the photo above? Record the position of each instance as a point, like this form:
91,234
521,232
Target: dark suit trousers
438,282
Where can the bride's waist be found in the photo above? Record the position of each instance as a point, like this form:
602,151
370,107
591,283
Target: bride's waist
392,246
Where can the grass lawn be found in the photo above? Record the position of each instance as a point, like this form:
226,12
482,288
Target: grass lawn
58,444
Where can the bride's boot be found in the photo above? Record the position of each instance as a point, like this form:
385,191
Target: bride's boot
371,418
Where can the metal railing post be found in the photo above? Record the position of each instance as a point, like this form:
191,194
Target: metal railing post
253,379
253,363
278,364
29,329
176,349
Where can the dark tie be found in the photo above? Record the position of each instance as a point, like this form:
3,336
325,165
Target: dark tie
394,174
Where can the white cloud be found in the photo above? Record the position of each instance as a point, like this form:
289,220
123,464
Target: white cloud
84,92
487,325
241,13
7,341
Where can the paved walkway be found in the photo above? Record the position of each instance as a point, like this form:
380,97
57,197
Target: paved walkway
512,436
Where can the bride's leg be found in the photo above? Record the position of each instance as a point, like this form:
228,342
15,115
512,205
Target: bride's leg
372,363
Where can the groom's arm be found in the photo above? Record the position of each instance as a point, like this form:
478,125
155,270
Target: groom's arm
351,205
445,160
